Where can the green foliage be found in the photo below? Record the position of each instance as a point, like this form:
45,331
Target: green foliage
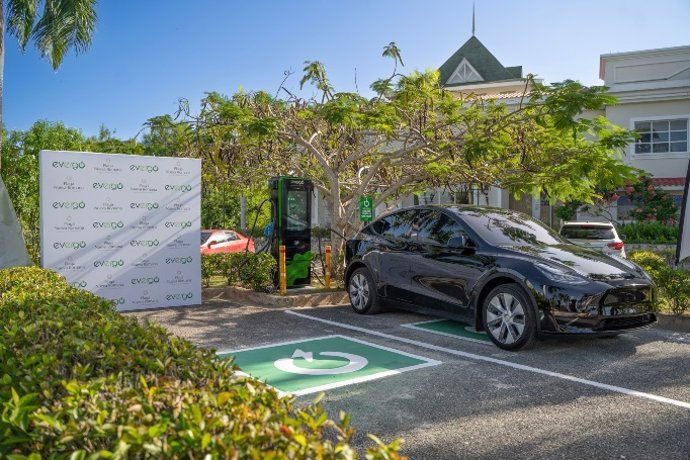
677,289
411,136
649,232
654,264
251,270
568,211
673,283
651,202
59,27
80,380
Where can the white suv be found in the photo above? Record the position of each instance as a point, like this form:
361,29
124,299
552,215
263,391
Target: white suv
596,235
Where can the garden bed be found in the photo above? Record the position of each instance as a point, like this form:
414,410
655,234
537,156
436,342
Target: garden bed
303,297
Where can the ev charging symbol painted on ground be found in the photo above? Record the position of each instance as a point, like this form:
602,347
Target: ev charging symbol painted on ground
355,363
323,363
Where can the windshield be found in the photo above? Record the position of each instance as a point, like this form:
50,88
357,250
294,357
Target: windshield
587,232
509,228
205,236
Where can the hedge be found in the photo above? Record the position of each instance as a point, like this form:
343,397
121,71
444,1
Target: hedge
251,270
78,380
649,233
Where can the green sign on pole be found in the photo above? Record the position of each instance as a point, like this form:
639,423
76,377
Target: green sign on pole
366,208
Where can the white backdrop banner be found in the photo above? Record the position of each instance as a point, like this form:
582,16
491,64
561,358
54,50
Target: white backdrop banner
125,227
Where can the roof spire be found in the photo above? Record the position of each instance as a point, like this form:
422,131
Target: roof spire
473,19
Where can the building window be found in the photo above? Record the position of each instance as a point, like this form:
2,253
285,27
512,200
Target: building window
662,136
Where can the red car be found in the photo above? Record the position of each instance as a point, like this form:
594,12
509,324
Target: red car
214,241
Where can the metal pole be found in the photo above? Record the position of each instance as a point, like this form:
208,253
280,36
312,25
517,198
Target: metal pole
327,267
243,214
282,268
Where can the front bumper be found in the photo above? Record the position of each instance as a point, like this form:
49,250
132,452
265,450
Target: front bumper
597,308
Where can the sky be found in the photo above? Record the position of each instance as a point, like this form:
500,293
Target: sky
147,54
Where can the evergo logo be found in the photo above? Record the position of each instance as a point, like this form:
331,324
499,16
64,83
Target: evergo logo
70,245
109,263
148,206
69,164
179,260
108,185
145,243
180,296
179,188
145,280
69,204
144,168
178,224
80,284
111,225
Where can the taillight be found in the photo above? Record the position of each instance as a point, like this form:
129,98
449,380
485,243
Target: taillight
617,245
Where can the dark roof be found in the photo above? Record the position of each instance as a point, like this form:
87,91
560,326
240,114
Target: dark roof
482,60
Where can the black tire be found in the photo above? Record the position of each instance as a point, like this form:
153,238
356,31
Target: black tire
509,317
362,292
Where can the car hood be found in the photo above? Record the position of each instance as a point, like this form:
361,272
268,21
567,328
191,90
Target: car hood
586,262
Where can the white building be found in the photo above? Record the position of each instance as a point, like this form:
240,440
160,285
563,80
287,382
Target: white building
653,91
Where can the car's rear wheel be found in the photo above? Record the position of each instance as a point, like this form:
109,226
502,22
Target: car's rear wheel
509,318
362,292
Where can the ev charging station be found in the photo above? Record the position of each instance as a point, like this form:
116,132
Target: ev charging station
291,213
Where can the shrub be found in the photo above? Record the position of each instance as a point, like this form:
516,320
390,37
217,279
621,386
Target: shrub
677,290
649,233
654,264
251,270
77,379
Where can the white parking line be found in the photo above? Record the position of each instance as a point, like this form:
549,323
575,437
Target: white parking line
500,362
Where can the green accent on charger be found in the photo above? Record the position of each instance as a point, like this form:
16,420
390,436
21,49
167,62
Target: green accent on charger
298,267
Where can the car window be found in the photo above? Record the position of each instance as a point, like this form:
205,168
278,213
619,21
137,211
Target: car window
502,228
395,226
231,236
438,228
204,236
587,232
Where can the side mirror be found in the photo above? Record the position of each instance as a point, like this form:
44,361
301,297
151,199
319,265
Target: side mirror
211,243
458,242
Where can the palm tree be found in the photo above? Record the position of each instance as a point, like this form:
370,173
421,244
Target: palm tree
62,24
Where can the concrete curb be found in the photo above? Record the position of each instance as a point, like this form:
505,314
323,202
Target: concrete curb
296,298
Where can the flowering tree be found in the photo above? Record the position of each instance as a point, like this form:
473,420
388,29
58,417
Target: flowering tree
651,202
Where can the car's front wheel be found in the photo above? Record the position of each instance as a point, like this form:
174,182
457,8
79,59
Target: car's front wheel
509,318
362,292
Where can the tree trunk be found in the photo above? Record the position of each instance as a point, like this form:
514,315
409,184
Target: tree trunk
2,69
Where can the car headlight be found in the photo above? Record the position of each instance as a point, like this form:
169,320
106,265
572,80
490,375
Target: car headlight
559,276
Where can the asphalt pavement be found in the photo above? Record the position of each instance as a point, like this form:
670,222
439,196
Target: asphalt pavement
572,398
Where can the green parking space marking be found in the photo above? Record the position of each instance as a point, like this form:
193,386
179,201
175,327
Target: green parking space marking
451,328
323,363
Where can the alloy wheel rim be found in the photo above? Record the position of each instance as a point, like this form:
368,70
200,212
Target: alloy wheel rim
505,318
359,291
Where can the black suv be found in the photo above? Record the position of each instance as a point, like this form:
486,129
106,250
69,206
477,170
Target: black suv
507,273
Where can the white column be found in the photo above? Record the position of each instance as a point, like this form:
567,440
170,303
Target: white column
499,197
536,206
